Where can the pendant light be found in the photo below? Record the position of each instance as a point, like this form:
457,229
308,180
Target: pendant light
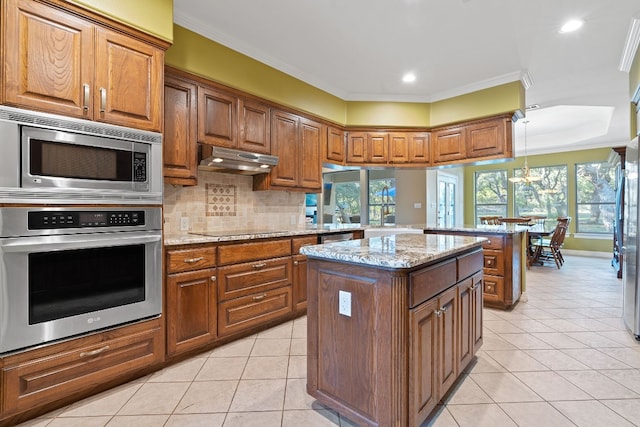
526,177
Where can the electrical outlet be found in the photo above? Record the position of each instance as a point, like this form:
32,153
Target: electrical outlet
184,223
344,305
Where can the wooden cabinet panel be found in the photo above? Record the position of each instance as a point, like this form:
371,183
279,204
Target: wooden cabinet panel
48,59
449,145
469,264
357,150
298,242
494,242
249,278
493,289
191,310
242,313
179,143
299,283
180,260
489,138
335,147
448,362
217,117
399,147
251,251
378,147
50,373
466,307
255,127
312,137
129,76
284,141
477,304
493,262
419,151
428,282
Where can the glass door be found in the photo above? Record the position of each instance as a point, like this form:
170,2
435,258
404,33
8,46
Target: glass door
447,187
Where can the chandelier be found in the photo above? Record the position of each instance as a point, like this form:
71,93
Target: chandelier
526,177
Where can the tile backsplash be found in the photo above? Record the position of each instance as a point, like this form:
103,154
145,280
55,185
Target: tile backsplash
227,202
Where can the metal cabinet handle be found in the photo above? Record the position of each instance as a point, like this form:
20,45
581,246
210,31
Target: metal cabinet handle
192,260
296,262
214,278
438,313
473,288
259,265
259,297
103,99
87,94
443,309
94,352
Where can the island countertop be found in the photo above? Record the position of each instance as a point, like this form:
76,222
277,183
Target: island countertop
394,251
482,229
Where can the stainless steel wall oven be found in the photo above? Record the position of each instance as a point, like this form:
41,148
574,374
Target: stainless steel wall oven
67,271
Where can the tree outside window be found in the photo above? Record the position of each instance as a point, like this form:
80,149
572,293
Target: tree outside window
382,201
545,197
491,193
595,197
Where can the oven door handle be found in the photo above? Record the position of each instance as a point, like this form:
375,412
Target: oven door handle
78,241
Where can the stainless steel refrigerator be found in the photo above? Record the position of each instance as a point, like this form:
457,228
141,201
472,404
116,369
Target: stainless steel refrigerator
631,293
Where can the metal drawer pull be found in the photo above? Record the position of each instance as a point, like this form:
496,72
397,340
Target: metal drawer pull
259,265
438,313
103,99
443,309
192,260
85,105
94,352
473,288
296,262
214,278
259,297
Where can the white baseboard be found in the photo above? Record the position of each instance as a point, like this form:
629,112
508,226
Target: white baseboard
592,254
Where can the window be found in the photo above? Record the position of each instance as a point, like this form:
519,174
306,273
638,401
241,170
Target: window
382,205
545,197
491,194
595,197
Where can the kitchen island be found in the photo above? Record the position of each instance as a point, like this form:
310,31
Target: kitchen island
392,323
504,260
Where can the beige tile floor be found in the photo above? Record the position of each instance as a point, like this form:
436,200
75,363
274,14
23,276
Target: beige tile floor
562,358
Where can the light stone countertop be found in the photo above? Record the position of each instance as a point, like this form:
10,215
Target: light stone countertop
394,251
488,229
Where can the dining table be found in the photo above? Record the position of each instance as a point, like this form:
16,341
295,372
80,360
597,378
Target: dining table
535,233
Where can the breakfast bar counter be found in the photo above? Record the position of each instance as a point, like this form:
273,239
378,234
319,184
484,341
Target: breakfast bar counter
392,323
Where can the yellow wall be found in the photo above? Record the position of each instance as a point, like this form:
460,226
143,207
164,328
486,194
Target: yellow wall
409,114
151,16
568,158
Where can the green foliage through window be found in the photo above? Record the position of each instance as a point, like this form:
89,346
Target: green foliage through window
491,193
595,197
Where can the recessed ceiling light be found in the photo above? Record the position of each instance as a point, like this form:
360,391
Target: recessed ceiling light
409,78
571,25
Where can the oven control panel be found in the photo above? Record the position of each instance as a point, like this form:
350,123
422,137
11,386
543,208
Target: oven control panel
46,220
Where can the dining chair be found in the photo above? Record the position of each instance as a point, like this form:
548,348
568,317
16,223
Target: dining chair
548,249
490,220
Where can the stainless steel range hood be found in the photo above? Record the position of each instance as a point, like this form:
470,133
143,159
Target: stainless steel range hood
228,160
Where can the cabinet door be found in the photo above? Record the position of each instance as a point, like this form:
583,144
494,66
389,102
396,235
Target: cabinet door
477,303
129,81
357,151
48,59
299,283
466,311
311,139
423,361
398,147
191,310
448,363
486,139
419,148
449,145
378,146
217,118
179,145
255,127
284,144
335,147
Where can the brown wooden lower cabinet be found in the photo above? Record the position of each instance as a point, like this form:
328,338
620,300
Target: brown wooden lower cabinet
77,367
409,336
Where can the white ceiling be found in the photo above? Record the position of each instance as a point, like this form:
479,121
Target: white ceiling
359,50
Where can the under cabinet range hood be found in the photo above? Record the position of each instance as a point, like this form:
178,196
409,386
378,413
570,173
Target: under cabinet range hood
228,160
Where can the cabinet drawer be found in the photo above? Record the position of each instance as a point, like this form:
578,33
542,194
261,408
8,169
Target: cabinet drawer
430,281
494,242
298,242
493,290
244,252
494,262
252,310
243,279
469,264
59,371
190,259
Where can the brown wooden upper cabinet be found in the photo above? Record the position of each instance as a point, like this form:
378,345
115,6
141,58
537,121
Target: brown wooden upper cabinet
396,148
179,146
449,145
296,141
226,120
61,63
334,149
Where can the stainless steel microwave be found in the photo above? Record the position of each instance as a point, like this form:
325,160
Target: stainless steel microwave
47,156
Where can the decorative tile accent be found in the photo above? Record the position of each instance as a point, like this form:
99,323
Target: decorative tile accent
221,200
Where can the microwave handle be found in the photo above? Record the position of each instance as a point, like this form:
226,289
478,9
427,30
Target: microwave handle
79,241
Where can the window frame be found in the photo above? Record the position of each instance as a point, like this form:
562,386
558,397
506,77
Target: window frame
578,204
475,192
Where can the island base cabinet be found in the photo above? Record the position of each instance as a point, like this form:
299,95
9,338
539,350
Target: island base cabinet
384,356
